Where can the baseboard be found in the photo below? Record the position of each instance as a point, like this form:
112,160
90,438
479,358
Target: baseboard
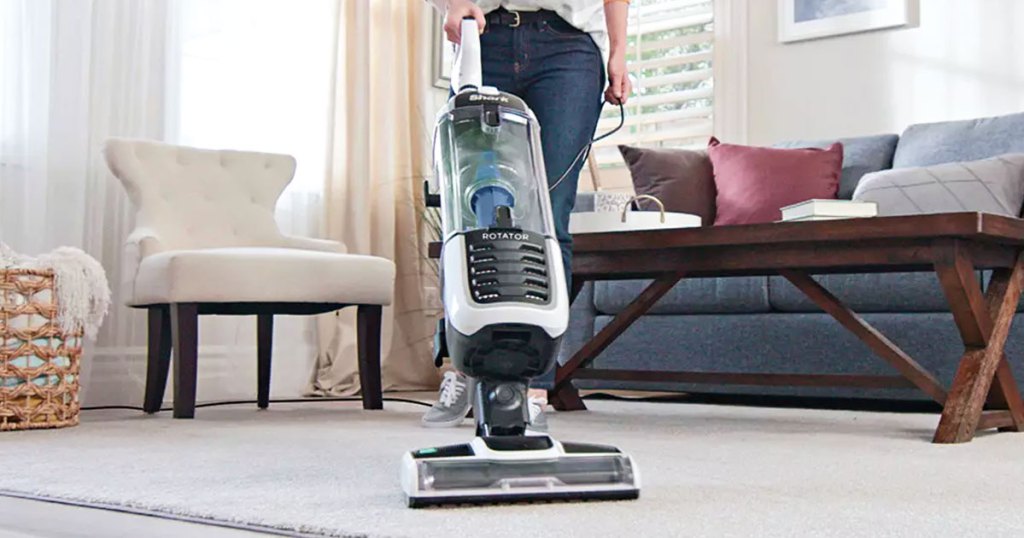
117,375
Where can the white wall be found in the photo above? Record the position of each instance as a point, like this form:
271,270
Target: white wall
964,60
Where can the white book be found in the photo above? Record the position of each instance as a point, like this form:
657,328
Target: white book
810,218
829,208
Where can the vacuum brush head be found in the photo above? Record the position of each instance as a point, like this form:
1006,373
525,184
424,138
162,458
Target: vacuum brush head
517,469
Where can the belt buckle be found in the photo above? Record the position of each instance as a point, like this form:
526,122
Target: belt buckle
518,20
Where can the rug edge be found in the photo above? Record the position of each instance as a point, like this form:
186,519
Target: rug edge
172,516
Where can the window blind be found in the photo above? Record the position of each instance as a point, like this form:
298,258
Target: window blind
670,56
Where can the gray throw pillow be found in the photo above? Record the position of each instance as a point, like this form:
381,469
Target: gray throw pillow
926,144
993,185
861,155
682,179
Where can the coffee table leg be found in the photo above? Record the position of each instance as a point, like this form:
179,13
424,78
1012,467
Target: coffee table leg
577,287
1006,395
565,397
984,323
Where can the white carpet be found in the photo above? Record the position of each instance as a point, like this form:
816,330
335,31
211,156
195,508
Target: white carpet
707,470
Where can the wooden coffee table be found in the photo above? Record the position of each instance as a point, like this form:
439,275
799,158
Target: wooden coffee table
983,395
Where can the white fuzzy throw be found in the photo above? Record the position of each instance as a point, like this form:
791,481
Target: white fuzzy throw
83,296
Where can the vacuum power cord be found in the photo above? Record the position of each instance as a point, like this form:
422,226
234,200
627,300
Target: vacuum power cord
585,150
249,402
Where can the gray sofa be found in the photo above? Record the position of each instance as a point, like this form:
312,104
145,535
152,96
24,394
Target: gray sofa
765,325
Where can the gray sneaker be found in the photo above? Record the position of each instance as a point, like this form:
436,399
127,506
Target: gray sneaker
538,420
453,401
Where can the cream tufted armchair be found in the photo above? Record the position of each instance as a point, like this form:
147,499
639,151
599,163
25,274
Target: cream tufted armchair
206,243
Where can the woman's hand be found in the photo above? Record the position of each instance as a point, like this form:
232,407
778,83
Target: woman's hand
616,15
458,10
619,85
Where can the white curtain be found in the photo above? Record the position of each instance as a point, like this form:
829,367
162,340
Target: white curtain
374,202
240,74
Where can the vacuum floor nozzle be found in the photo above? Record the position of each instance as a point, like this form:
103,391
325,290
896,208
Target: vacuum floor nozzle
517,469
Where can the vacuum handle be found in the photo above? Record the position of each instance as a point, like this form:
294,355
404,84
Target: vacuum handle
467,72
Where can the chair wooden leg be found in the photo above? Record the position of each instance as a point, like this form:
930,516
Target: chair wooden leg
185,328
265,342
368,321
158,357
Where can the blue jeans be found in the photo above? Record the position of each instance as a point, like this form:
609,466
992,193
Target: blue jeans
558,70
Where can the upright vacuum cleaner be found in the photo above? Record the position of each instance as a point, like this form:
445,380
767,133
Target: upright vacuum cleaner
506,308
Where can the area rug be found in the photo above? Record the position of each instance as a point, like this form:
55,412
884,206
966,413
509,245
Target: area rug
332,469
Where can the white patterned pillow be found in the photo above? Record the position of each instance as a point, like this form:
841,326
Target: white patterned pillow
611,201
993,185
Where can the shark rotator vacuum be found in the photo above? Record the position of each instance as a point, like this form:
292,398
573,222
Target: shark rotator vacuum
506,308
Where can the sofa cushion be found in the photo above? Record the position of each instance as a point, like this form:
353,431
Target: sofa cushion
782,344
681,179
986,278
871,292
861,155
993,185
968,140
754,183
691,296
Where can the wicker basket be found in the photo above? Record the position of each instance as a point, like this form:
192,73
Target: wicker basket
38,361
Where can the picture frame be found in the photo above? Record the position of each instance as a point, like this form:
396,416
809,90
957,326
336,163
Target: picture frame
801,20
443,53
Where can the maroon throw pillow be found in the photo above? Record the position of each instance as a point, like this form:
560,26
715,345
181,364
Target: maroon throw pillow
754,183
681,179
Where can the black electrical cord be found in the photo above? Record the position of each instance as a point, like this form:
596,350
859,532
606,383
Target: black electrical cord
248,402
585,150
751,400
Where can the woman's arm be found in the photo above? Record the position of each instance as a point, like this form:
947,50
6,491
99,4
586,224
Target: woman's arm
616,13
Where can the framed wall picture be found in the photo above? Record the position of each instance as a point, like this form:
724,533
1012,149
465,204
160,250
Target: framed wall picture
443,53
800,20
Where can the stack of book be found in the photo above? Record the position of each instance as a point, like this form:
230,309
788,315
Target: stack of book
828,210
